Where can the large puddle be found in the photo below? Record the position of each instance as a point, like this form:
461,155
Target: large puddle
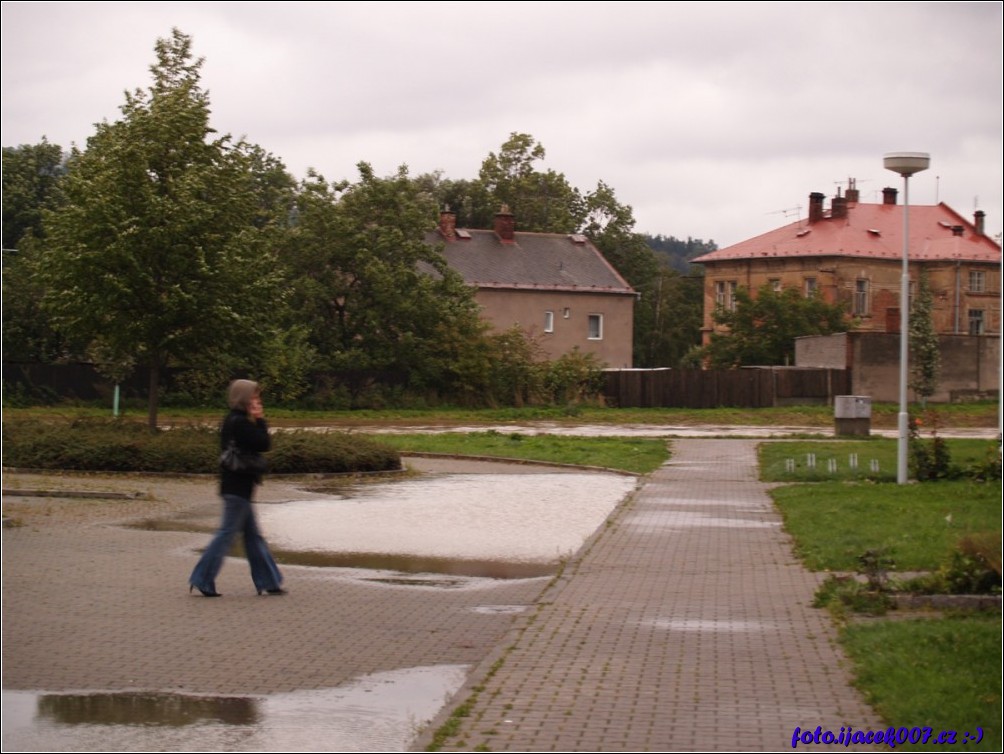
453,523
380,712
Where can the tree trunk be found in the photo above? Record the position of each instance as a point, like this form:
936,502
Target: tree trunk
154,397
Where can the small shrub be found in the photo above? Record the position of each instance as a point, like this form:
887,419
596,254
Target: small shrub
974,567
842,594
118,445
930,460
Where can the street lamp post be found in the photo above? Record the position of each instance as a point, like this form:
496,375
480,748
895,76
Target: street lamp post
906,164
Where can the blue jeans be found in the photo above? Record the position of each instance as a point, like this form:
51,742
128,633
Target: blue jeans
238,517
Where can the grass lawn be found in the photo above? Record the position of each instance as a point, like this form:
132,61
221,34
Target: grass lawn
917,525
937,672
775,458
943,673
981,414
637,455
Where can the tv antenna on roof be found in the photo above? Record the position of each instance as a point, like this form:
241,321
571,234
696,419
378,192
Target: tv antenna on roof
796,211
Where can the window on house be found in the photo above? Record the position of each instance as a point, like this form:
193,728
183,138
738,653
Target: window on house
548,321
775,284
977,281
977,323
596,327
860,297
566,313
725,294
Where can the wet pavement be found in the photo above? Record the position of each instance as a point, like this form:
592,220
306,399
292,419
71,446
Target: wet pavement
104,649
682,623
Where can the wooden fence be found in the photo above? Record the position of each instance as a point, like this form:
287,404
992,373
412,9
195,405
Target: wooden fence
750,387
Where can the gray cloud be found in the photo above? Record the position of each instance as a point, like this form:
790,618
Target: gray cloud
713,120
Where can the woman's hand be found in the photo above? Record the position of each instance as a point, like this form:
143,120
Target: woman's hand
255,408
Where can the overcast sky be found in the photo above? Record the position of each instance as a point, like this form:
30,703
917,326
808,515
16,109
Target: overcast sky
712,120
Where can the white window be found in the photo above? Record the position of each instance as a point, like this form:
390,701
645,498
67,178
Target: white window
977,281
596,327
977,324
810,287
566,312
775,284
860,297
548,321
725,294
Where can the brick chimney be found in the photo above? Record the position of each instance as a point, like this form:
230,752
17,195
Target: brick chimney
448,223
505,225
838,209
978,218
853,197
889,195
816,206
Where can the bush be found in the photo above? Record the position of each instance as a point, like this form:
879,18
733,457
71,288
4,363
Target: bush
119,445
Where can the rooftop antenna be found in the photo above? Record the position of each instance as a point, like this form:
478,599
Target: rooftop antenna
796,210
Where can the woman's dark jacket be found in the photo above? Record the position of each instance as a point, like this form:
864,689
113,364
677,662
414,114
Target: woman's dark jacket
250,437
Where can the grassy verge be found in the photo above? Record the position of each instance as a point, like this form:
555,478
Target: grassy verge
938,672
943,673
636,455
917,525
775,458
983,414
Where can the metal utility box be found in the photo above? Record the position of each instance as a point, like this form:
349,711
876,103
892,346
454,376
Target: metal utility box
852,415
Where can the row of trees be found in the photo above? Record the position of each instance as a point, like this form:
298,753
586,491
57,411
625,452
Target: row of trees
165,243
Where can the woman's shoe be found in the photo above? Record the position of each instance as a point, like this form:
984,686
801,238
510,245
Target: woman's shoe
275,592
205,592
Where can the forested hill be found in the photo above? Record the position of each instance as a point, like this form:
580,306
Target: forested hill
676,253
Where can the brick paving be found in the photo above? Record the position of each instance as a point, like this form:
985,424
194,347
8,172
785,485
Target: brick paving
684,623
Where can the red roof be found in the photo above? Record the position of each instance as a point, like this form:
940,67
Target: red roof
874,231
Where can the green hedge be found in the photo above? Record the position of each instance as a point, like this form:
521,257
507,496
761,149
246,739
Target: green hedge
117,445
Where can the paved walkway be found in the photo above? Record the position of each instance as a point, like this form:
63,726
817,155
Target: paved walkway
685,625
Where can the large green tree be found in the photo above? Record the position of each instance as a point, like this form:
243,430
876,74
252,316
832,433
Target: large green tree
31,176
375,297
161,251
762,328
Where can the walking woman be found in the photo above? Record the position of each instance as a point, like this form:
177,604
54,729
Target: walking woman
246,428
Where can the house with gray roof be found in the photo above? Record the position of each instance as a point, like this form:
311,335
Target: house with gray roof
558,288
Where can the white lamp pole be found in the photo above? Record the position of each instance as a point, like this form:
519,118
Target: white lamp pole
906,164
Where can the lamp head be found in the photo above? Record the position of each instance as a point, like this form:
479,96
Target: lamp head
907,163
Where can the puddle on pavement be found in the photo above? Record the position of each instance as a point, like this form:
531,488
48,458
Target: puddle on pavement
713,626
380,712
691,519
455,521
379,561
493,526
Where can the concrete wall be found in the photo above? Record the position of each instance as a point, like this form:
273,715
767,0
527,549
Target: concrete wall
970,365
504,308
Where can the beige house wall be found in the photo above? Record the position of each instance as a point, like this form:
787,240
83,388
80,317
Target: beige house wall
503,308
876,308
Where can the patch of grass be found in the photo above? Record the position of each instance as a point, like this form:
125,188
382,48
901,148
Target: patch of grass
980,414
939,673
917,525
636,455
775,456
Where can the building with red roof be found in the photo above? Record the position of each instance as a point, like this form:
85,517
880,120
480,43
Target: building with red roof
852,253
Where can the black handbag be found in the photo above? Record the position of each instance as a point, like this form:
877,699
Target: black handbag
232,459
